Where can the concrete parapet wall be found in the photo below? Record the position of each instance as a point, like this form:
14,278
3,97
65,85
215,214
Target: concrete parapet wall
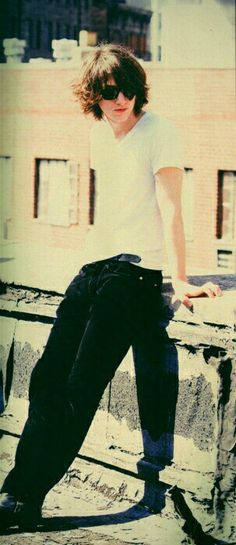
172,419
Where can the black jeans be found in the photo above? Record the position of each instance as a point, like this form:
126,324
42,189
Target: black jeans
105,307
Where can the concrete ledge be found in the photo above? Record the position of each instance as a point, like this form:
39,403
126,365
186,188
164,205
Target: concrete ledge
171,420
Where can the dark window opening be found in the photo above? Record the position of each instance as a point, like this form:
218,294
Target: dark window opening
92,197
226,205
38,35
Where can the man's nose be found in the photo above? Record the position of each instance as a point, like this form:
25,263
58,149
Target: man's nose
121,97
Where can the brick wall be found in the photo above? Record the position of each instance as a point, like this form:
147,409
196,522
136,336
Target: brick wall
201,102
41,120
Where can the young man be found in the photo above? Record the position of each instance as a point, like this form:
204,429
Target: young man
138,164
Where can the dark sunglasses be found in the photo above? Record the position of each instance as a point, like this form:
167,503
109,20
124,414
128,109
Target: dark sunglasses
111,92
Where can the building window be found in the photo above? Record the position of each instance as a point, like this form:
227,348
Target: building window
38,34
29,24
50,34
226,211
56,192
14,29
226,259
5,196
16,26
188,203
58,30
67,31
159,53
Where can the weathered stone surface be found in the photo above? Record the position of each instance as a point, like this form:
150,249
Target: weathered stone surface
96,505
7,330
123,402
30,339
195,401
225,475
182,400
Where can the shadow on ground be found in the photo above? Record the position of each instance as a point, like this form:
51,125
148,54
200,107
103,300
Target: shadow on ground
68,523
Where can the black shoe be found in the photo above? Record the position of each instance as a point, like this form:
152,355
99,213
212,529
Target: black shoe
16,513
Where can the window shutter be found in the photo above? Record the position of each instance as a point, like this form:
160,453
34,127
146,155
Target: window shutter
229,205
74,191
58,193
43,190
57,197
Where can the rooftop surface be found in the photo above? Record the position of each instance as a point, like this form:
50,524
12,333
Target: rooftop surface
97,512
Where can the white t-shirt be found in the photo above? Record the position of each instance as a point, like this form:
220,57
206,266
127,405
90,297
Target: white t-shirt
127,215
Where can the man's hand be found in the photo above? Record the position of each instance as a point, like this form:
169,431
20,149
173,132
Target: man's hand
185,291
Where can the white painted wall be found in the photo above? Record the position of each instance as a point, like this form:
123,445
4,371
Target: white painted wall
194,34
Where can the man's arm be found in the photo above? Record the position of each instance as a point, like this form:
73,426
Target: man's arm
168,190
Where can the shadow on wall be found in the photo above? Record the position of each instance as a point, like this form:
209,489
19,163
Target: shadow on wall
156,367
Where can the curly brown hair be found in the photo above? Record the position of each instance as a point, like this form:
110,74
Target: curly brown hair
104,62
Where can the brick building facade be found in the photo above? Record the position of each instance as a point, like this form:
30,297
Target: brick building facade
46,180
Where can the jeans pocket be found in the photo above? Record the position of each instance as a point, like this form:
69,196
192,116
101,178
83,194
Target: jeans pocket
119,268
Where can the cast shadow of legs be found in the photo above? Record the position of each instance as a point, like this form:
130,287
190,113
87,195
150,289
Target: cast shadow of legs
67,523
156,367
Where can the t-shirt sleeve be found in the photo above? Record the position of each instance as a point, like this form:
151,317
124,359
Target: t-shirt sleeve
167,148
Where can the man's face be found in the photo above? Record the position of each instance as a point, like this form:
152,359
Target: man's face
120,109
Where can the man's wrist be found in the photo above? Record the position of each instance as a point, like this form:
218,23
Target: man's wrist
179,279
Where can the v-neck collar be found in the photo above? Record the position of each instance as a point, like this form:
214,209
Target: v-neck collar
120,141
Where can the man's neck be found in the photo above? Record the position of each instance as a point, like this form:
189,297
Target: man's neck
121,129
